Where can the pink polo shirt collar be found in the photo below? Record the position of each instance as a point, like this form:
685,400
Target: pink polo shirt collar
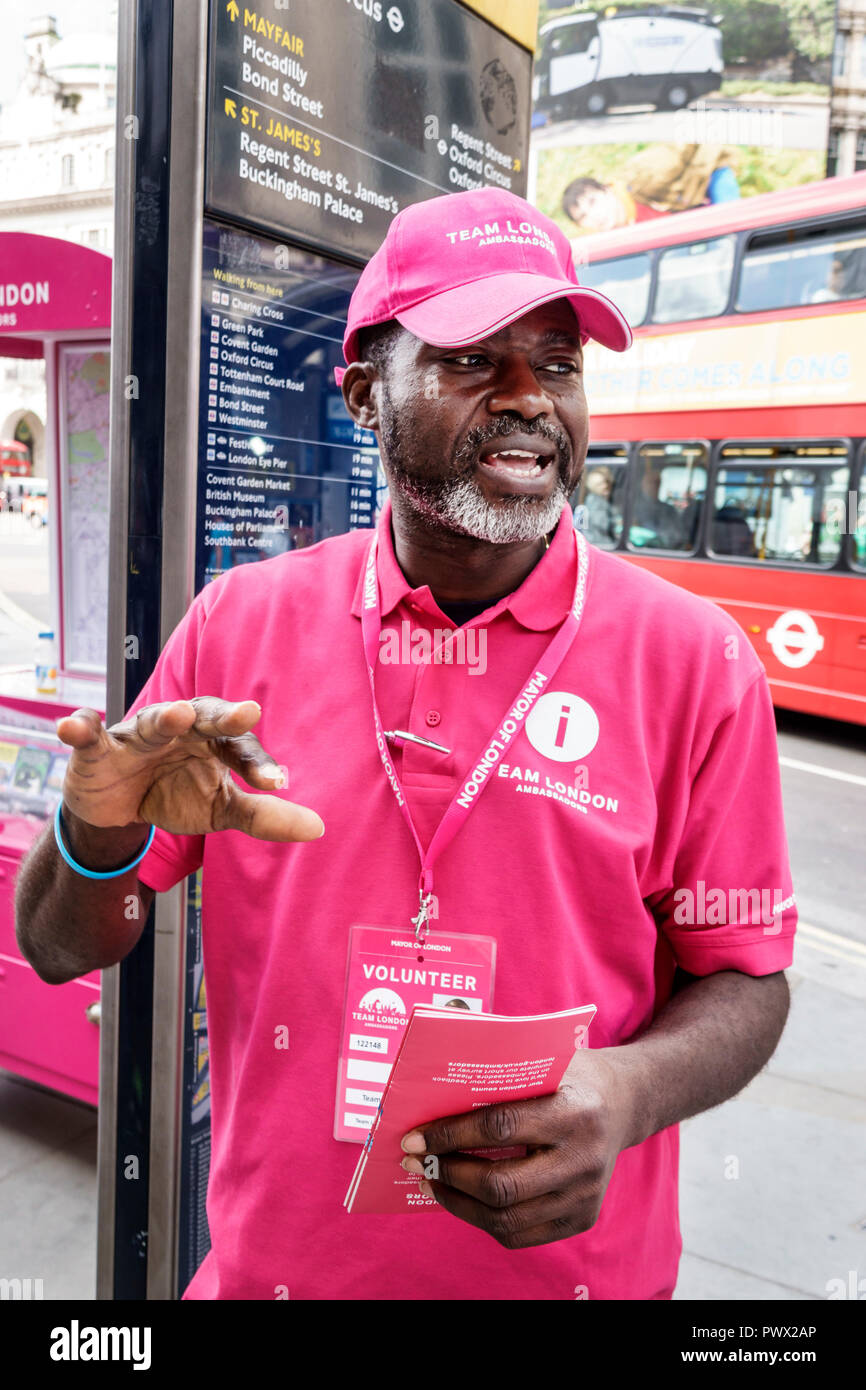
540,603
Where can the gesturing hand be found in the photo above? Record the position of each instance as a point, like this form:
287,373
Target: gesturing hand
572,1138
170,765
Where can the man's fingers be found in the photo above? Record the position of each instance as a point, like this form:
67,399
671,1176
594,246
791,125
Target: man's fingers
80,729
264,773
501,1182
227,726
246,756
268,817
155,726
215,718
554,1216
541,1120
205,717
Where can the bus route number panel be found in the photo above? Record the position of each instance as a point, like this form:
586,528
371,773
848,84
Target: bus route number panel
327,118
281,463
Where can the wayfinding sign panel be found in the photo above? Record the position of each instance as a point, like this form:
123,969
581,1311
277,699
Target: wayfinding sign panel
330,117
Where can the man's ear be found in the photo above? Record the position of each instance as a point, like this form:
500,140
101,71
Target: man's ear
360,394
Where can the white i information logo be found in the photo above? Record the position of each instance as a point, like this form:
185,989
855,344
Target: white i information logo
563,727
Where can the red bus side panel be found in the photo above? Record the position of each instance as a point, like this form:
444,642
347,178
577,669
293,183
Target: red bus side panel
809,629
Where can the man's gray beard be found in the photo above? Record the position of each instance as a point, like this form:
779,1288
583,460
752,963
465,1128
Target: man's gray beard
461,506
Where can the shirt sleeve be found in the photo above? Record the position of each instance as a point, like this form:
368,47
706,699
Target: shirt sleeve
732,904
171,857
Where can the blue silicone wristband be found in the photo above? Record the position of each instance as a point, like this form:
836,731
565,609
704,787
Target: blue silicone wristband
91,873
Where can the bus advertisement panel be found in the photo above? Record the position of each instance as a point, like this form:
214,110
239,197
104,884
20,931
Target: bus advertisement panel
645,110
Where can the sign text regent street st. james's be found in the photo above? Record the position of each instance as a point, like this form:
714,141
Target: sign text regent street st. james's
326,118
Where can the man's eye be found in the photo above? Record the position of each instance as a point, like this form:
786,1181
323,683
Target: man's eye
562,368
477,360
469,359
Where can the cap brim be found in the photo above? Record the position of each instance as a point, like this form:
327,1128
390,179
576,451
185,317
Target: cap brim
462,315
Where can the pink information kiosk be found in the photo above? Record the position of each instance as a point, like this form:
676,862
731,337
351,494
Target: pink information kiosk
56,305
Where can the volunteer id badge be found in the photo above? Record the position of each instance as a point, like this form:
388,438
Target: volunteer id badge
386,974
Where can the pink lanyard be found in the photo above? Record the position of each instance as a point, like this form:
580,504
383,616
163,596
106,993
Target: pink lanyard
509,727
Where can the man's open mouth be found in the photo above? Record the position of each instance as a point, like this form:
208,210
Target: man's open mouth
518,461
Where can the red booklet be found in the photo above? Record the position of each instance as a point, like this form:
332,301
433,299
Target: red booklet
451,1061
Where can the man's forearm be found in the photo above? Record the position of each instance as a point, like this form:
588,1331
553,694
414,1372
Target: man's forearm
67,924
706,1044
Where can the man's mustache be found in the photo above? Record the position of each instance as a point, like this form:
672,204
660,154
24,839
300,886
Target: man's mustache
466,456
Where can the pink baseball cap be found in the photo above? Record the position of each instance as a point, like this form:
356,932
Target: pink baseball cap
462,266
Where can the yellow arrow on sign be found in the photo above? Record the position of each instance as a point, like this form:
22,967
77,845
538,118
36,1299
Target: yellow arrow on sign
231,109
233,10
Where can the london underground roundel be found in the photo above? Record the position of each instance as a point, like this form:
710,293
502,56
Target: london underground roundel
795,638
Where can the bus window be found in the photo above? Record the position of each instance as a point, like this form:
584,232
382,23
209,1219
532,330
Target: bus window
694,280
671,485
600,499
625,280
780,502
793,268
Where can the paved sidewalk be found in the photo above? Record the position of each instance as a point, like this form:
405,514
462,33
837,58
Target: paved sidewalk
47,1190
794,1219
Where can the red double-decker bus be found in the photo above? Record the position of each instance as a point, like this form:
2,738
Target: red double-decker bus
728,450
14,459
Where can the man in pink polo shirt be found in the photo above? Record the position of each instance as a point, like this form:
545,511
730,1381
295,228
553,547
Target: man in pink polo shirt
589,779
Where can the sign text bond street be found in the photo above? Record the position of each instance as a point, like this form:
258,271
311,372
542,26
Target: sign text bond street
328,117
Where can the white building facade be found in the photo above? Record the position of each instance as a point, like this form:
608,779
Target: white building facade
57,140
847,147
